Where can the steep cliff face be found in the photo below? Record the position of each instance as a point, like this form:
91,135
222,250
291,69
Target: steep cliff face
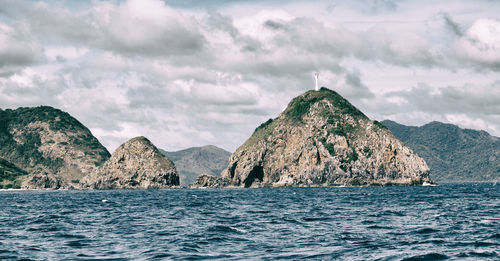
48,142
322,140
136,164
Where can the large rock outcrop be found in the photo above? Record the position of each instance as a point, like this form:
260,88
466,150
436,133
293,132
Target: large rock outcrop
136,164
49,144
207,181
322,140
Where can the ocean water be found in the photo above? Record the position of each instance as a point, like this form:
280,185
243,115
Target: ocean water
450,221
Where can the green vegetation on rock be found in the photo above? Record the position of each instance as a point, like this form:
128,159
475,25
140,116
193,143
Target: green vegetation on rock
44,140
10,175
453,154
264,125
300,105
330,149
321,139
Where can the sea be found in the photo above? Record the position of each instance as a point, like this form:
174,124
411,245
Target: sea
444,222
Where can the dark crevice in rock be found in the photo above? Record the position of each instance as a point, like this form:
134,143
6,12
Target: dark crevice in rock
318,157
232,169
256,173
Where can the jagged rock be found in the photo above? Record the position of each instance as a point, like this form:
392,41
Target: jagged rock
322,140
44,140
207,181
136,164
44,181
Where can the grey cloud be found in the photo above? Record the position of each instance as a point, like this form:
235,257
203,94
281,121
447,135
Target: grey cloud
40,93
216,21
375,44
168,83
273,24
111,29
357,89
17,50
467,99
454,27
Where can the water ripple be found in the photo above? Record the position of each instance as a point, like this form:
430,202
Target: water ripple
454,221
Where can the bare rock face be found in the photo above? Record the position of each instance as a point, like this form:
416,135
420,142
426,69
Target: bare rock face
136,164
207,181
322,140
44,181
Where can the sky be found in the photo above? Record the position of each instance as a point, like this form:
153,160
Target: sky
189,73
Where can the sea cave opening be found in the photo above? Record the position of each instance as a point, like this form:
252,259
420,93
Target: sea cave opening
256,173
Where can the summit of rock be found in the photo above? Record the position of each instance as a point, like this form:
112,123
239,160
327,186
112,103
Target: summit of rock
321,139
136,164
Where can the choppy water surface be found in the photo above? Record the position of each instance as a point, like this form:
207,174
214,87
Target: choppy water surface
450,221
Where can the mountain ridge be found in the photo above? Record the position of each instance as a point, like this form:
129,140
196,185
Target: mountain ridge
195,161
454,154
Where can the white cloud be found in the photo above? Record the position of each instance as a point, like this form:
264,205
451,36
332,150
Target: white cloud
481,43
188,77
17,50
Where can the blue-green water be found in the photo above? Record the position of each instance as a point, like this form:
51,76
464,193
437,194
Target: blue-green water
450,221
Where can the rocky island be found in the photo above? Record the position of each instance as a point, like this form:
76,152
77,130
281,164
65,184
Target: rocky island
135,164
46,148
321,139
53,149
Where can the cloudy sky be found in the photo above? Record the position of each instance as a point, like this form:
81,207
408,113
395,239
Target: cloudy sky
195,72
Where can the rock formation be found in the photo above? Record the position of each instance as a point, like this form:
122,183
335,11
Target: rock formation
207,181
136,164
49,144
322,140
192,162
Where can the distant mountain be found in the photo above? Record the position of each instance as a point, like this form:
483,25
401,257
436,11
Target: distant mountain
453,154
192,162
52,146
321,139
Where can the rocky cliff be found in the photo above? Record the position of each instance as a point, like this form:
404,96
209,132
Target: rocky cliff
53,147
322,140
192,162
453,154
136,164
